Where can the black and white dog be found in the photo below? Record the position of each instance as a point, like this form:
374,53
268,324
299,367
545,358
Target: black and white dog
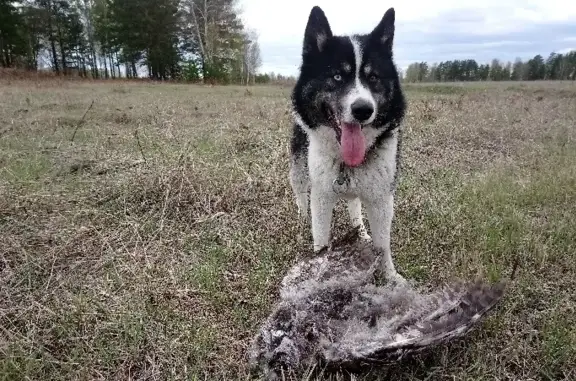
347,108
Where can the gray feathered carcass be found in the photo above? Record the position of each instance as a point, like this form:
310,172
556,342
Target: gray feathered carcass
331,314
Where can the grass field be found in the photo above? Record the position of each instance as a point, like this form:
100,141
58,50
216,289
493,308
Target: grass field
146,239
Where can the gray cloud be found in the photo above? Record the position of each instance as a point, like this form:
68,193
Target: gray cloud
451,35
443,45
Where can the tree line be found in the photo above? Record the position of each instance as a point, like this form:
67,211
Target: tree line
194,40
555,67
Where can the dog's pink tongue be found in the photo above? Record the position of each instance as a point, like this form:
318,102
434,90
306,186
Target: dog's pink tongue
352,144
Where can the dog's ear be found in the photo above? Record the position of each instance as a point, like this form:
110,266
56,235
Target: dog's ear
384,31
317,31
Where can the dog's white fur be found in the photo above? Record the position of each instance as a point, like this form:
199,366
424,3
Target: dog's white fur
370,184
359,91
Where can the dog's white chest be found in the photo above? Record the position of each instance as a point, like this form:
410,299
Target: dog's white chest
364,182
370,180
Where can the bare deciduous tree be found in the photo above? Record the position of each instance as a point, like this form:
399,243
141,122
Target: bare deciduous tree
251,56
215,32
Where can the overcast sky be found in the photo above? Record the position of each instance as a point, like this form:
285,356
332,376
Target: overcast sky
429,31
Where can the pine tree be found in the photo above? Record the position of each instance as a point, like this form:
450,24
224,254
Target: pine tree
11,44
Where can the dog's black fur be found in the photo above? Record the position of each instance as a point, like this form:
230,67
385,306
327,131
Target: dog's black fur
319,66
348,107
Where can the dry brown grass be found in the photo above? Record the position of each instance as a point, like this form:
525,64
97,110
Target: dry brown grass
151,245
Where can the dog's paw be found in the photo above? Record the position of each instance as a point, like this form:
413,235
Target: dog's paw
365,236
390,277
396,279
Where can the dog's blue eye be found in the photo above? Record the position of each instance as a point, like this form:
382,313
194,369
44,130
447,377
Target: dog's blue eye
373,78
338,77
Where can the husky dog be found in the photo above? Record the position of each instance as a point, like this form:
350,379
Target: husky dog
347,108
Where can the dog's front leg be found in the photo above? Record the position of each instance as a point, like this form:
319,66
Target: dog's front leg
355,212
380,214
321,207
300,182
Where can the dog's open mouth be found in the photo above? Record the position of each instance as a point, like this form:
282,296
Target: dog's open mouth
350,137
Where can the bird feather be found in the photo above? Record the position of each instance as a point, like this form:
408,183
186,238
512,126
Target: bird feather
331,312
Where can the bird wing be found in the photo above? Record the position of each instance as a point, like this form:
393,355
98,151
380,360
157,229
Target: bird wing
454,312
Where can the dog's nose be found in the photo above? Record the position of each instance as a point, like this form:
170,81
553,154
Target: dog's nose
362,110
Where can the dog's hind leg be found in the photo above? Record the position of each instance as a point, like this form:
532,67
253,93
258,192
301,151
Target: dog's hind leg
300,182
355,212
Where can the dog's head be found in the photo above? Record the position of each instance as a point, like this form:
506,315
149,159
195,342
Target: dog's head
348,85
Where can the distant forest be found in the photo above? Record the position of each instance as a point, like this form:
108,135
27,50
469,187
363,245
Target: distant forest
555,67
191,40
187,40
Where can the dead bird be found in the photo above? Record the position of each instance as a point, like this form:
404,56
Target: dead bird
331,314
